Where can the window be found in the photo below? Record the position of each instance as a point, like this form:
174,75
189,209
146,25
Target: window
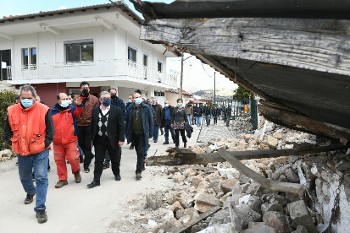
160,67
145,60
159,93
29,58
132,54
82,51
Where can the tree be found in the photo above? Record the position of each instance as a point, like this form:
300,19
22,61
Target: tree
241,94
7,98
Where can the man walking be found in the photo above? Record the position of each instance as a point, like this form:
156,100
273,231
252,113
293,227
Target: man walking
107,135
30,129
166,122
139,128
65,140
84,123
157,121
198,112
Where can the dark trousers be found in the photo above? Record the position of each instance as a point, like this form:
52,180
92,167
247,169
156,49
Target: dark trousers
177,136
102,145
84,141
139,143
167,128
215,119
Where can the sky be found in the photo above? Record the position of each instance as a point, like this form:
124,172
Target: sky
196,75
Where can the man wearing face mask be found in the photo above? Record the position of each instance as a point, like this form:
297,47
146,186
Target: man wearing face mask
139,128
30,130
107,135
84,123
166,122
65,140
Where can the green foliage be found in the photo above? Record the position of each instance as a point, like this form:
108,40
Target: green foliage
7,98
241,94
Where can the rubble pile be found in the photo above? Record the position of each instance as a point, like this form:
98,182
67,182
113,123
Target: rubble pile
244,205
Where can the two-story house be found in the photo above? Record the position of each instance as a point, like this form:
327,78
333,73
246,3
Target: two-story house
56,50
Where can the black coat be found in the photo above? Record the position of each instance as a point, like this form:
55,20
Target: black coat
115,128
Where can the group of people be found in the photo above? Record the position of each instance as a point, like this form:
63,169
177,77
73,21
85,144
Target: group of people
196,112
76,123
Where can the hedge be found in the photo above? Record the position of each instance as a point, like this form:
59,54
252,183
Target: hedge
7,98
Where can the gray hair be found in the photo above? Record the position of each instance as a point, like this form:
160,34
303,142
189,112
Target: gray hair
103,93
26,88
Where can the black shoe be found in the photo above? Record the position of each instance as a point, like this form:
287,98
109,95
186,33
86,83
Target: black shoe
105,165
165,143
138,176
117,178
41,216
132,147
29,198
185,145
86,170
93,184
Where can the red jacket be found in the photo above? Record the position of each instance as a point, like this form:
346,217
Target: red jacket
28,128
64,122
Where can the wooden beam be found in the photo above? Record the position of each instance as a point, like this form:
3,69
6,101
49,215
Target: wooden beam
181,157
265,183
314,44
297,121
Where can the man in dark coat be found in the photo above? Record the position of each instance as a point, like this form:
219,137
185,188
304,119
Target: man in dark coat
157,122
166,122
139,128
107,135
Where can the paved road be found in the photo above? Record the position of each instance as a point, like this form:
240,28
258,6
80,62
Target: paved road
74,208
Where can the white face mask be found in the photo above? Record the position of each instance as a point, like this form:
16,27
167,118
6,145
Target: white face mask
166,105
65,103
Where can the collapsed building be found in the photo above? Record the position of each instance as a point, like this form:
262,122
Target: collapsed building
296,56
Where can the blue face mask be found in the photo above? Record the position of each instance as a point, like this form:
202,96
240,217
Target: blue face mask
129,100
65,103
138,100
106,102
27,102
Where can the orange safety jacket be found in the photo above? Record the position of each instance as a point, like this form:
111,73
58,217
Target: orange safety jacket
28,128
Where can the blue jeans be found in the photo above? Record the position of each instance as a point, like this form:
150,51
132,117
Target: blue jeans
39,163
155,133
189,118
207,119
199,121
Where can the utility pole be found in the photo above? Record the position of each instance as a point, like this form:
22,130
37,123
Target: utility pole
181,74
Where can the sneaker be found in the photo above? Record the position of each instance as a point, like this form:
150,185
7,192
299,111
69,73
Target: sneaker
41,216
61,183
138,176
165,143
132,147
86,170
29,198
77,177
117,178
155,141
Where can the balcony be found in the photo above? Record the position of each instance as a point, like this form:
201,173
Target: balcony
112,69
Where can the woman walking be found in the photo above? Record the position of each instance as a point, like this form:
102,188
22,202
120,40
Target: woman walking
179,118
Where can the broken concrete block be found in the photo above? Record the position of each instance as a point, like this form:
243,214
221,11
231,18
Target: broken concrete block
179,213
275,198
254,188
204,202
227,185
185,199
300,229
221,217
170,225
223,228
154,200
277,221
299,214
246,215
271,207
190,215
261,229
271,141
196,181
175,207
291,175
179,178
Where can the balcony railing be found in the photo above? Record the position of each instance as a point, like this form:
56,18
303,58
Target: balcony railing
106,68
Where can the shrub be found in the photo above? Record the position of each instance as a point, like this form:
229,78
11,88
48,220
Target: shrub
7,98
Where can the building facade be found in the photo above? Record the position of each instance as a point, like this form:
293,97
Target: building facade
55,51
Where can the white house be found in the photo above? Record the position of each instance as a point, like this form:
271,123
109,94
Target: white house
56,50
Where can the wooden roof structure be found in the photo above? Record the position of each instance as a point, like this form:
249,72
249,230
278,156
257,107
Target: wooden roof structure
294,54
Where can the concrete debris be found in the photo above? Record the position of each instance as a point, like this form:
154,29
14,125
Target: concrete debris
246,206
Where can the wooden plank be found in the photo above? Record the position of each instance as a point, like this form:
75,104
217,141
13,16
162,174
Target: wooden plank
265,183
314,44
201,218
204,159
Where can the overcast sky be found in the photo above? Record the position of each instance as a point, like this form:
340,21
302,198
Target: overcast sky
196,75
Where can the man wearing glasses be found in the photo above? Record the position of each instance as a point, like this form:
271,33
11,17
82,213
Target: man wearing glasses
107,135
